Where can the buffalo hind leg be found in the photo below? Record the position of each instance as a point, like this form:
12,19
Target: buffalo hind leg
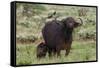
58,54
54,52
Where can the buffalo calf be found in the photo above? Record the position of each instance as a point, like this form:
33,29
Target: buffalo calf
41,50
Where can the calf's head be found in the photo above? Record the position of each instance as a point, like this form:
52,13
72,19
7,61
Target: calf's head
41,50
71,22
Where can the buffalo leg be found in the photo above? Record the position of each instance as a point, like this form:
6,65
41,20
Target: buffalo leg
67,50
54,52
50,53
58,52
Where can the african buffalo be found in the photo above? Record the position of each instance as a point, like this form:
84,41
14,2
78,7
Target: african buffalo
58,35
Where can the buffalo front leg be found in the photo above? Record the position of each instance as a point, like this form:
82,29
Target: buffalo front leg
58,51
67,50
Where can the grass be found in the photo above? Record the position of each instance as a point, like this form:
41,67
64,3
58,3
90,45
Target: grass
80,51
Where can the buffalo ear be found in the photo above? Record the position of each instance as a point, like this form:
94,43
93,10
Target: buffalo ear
76,24
63,20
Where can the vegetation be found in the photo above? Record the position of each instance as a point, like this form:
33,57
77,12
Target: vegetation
32,17
80,51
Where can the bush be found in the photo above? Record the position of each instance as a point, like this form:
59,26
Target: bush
25,39
87,34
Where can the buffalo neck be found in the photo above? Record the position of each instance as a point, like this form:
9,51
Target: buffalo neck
68,34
